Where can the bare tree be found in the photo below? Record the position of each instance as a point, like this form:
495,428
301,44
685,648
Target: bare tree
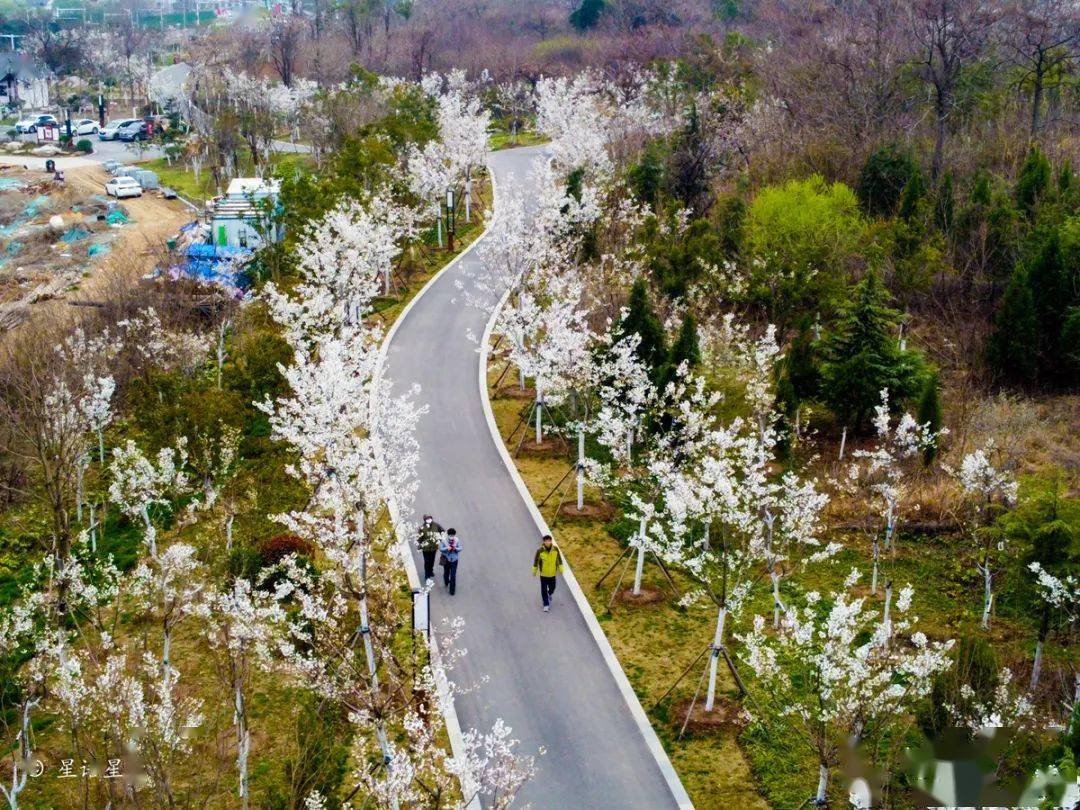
1042,36
950,34
286,37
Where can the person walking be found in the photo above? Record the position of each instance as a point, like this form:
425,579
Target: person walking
428,540
451,550
547,563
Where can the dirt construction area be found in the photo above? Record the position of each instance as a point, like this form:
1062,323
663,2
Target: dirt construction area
57,240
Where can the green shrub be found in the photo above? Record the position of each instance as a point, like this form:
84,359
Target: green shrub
799,237
85,145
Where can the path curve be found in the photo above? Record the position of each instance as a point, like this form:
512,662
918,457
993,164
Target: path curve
547,675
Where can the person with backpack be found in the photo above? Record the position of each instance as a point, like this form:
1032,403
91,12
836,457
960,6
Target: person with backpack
451,550
547,562
427,539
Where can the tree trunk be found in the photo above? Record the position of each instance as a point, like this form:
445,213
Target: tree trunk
1036,98
823,783
581,469
714,658
1044,629
941,112
988,596
640,567
539,417
243,743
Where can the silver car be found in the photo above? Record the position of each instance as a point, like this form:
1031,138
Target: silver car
111,131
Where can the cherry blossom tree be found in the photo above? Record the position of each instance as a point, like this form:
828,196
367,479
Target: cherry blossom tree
986,487
139,484
449,161
883,474
1059,593
836,673
356,455
243,626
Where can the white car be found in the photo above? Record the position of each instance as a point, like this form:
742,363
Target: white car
123,187
85,126
112,129
32,123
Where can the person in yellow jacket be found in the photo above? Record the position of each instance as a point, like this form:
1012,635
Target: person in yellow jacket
547,563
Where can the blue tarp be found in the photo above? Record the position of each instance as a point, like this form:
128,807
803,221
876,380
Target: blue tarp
217,265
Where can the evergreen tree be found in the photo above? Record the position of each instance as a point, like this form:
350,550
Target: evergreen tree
1065,179
641,320
1070,346
1011,348
882,179
864,358
647,175
981,189
587,14
913,194
945,209
1052,293
1033,182
801,365
684,350
930,414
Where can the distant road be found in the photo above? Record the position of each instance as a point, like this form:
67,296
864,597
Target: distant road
547,677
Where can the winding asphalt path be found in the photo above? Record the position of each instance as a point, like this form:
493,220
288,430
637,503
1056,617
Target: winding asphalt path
547,678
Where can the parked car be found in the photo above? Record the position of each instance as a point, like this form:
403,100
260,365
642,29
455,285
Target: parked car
123,187
32,123
85,126
137,130
112,129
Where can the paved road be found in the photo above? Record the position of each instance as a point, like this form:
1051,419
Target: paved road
548,680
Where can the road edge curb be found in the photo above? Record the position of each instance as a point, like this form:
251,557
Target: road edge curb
652,741
450,718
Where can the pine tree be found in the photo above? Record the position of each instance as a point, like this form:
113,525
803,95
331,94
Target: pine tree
1011,348
1033,181
864,358
647,176
684,350
1052,295
587,14
930,414
945,209
883,178
801,365
913,194
641,320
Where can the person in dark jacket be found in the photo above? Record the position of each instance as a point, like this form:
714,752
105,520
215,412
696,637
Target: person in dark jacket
428,541
451,551
547,562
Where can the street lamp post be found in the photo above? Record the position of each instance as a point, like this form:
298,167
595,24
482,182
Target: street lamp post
450,219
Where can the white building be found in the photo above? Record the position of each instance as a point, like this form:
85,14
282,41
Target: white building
23,82
244,217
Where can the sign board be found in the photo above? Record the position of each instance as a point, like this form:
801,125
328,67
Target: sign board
48,134
421,611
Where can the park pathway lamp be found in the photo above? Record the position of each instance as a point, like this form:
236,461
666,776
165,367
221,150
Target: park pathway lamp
450,219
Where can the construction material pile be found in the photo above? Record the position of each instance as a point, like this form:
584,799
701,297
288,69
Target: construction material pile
49,237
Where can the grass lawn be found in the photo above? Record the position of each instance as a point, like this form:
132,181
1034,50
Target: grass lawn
182,179
504,140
